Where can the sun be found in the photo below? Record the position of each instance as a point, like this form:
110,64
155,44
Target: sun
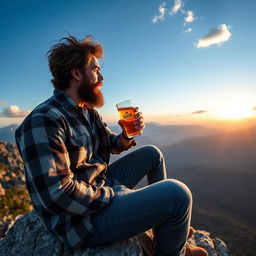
235,112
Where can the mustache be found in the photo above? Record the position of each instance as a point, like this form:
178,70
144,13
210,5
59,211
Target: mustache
97,84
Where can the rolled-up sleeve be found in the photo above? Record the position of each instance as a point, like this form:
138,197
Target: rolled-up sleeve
42,146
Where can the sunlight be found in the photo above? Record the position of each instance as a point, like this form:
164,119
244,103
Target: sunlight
235,112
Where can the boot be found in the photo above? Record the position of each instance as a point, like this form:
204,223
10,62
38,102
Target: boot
193,250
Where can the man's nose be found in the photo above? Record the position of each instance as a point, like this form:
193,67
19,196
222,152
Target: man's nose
100,77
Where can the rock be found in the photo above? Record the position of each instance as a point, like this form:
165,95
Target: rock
6,223
221,247
2,191
9,155
11,166
28,236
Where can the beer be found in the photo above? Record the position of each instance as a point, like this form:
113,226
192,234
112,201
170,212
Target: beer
127,115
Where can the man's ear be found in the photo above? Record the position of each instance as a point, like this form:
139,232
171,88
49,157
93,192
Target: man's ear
76,74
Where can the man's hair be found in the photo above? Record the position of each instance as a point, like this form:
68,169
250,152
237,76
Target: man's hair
71,53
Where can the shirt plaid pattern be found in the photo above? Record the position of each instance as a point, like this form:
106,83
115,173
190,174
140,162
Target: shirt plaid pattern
65,161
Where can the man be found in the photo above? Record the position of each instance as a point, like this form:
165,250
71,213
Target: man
78,195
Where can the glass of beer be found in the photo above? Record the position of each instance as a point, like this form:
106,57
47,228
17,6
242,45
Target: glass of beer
127,115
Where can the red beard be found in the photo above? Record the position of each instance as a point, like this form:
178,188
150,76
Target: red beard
91,93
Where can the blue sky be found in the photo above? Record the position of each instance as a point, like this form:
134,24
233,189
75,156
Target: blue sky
152,56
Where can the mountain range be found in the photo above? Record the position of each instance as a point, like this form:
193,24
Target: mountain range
219,167
220,171
7,133
235,150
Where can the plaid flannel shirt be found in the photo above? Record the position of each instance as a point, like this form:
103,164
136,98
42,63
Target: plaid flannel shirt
65,161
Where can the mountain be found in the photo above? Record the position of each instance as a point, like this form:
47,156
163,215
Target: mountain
7,133
223,204
164,135
15,202
14,198
160,135
220,171
234,150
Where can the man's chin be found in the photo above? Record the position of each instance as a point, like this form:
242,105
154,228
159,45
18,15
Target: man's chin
99,98
93,97
98,102
99,84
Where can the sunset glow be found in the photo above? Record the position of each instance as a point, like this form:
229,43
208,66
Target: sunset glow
179,61
235,112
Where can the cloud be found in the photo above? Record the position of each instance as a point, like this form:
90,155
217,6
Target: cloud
199,112
192,113
188,30
176,7
190,17
2,103
182,115
254,108
162,11
14,111
215,36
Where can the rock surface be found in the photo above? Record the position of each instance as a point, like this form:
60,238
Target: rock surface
10,155
28,236
11,167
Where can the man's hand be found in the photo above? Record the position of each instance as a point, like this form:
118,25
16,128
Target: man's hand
139,122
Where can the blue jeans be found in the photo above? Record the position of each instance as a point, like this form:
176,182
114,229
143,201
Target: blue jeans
164,205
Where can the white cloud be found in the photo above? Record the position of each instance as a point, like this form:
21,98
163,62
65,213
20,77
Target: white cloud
176,7
190,17
14,111
2,103
188,30
215,36
162,11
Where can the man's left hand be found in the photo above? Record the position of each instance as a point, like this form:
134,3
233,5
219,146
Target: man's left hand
139,122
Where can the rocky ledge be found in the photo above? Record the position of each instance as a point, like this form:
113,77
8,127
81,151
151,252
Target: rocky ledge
28,236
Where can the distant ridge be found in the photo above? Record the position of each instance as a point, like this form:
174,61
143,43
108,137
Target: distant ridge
234,150
164,135
7,133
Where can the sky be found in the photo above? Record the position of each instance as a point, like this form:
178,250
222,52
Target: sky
180,62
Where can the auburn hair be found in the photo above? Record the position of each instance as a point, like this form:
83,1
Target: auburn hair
70,53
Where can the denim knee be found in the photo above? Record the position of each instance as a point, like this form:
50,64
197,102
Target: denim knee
154,153
179,192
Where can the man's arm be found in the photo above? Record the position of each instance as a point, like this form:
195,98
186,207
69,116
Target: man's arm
119,142
42,147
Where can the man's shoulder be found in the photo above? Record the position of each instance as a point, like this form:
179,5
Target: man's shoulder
50,108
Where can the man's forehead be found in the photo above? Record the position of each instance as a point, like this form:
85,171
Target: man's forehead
94,62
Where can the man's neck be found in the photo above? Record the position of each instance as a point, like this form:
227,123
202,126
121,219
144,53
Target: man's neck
73,95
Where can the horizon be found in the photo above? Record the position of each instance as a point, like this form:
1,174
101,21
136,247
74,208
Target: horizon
224,125
180,62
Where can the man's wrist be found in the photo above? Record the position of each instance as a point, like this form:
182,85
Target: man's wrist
124,135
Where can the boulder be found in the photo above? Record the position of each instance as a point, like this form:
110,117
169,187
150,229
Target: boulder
28,236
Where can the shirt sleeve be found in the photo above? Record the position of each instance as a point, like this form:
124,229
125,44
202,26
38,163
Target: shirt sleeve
117,141
42,146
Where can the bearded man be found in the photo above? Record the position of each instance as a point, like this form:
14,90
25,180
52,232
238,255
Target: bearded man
79,196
